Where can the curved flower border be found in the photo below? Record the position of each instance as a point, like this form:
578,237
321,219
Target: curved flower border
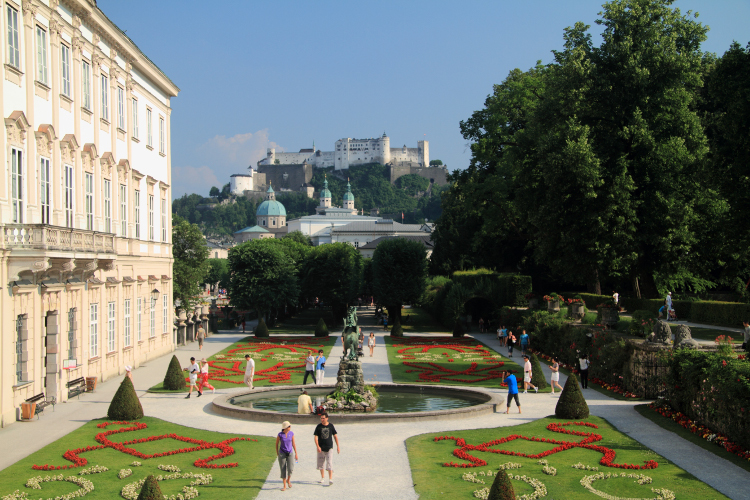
102,437
587,481
84,487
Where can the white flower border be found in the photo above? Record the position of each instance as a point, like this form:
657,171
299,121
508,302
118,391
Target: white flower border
130,491
540,490
96,469
169,468
661,494
85,487
125,473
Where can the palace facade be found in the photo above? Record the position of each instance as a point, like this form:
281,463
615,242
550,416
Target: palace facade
85,202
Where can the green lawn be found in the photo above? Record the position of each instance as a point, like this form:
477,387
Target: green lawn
416,320
254,461
447,361
304,323
433,480
278,360
711,334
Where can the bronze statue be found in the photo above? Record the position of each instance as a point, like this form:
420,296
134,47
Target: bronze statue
349,337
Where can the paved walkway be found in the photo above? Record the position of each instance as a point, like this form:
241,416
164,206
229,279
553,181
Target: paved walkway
373,462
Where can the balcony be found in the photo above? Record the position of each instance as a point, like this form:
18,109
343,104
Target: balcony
54,238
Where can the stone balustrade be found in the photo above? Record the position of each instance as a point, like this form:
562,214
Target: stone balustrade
44,237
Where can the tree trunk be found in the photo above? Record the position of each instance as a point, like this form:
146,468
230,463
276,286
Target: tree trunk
648,286
594,286
636,287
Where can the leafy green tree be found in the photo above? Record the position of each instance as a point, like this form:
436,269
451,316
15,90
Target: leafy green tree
299,238
263,277
412,184
218,272
190,261
214,192
436,162
399,269
321,329
333,273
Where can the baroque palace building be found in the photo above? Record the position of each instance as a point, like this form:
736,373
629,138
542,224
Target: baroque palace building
85,202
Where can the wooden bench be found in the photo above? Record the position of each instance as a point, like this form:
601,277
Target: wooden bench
76,387
42,402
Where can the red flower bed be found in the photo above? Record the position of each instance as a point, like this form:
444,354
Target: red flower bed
607,458
702,431
102,438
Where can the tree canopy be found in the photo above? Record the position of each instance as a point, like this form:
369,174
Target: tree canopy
399,273
190,261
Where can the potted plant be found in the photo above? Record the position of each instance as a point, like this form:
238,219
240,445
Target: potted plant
553,302
533,301
576,308
609,313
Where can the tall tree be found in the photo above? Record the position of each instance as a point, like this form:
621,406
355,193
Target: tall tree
399,270
263,277
190,261
218,273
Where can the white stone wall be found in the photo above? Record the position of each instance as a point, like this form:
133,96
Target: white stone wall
239,183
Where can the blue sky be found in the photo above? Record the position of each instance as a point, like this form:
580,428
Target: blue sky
282,73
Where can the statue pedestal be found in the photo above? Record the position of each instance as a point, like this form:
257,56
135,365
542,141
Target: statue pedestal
350,376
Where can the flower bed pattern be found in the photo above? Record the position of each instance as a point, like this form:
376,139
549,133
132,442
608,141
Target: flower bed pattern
702,431
124,447
288,352
415,353
590,438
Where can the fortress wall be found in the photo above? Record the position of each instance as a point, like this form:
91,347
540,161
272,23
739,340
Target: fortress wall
296,175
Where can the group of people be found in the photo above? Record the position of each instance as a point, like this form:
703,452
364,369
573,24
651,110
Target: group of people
324,436
198,376
508,339
315,367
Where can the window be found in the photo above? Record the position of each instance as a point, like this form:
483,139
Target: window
68,177
45,189
41,55
137,203
164,220
165,309
153,318
105,97
94,331
86,80
72,333
135,118
138,320
17,185
149,137
111,327
151,217
89,201
356,244
14,58
162,142
126,306
19,349
65,69
107,206
123,210
121,108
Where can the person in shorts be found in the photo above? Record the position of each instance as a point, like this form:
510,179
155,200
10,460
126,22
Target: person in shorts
555,380
527,375
193,372
512,383
249,371
199,336
324,435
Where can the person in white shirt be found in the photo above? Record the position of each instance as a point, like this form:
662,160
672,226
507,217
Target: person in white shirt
309,368
669,303
249,371
555,380
584,362
616,297
193,371
527,375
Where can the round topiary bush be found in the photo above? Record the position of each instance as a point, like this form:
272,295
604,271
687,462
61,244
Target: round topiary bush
150,490
537,375
502,488
321,330
174,380
572,405
125,405
396,330
261,330
458,329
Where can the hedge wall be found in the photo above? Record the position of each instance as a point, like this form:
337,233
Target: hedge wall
720,313
714,389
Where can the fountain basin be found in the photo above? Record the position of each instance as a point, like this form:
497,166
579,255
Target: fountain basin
399,402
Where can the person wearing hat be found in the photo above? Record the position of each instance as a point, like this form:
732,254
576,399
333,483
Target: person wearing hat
193,370
204,376
284,453
527,375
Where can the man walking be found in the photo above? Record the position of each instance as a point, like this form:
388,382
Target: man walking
527,373
249,370
524,341
512,384
320,367
324,434
199,336
309,367
668,301
193,371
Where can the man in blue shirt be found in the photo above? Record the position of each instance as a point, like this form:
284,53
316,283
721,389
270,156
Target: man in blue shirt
510,380
524,341
320,367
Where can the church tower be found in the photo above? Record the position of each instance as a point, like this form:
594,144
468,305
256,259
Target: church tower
325,195
349,198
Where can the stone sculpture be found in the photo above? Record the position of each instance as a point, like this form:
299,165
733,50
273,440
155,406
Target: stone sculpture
684,338
662,333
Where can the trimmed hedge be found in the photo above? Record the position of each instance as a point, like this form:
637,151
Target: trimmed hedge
502,488
125,404
321,329
572,405
537,375
712,388
396,330
174,379
150,489
261,331
719,313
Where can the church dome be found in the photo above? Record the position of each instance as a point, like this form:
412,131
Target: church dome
325,193
271,207
348,196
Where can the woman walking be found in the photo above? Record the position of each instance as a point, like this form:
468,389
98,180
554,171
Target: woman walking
511,341
584,362
555,380
284,453
371,342
204,376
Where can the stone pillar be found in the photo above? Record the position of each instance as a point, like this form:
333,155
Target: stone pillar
53,356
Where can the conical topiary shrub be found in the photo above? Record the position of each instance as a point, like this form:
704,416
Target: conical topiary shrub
537,375
321,330
571,405
174,380
150,490
261,330
502,488
125,405
458,329
396,330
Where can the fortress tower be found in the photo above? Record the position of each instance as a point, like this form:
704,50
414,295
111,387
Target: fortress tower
423,148
386,148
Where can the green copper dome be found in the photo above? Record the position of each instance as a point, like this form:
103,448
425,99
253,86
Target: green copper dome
271,207
325,193
348,196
